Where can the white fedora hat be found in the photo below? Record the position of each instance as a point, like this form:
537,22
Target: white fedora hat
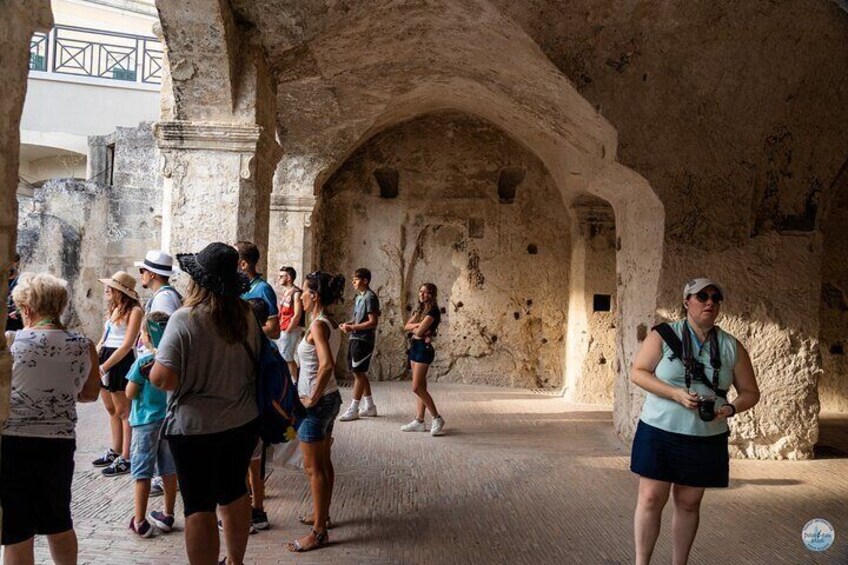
158,262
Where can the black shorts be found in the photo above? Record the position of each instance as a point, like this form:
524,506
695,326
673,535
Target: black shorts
695,461
118,373
359,353
212,468
421,352
35,486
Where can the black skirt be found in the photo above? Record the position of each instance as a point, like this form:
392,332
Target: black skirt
117,380
695,461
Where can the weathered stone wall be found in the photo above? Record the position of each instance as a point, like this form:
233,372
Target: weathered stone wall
591,332
83,231
63,230
729,142
135,197
501,268
833,385
714,107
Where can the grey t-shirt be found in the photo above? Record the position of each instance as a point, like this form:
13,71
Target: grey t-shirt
217,380
364,304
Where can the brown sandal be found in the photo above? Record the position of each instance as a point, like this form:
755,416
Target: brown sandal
321,539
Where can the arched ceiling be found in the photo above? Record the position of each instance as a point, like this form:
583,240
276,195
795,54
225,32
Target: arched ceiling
723,101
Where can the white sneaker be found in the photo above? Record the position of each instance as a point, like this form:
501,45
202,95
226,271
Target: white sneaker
351,414
369,412
438,426
414,426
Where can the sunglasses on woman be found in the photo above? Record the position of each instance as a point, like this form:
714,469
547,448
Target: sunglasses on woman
702,297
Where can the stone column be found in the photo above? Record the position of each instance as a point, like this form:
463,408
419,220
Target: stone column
212,191
290,235
19,19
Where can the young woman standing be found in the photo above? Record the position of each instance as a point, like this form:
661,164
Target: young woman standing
422,327
319,393
116,357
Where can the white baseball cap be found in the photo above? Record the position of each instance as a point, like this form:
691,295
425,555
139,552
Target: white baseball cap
697,285
158,262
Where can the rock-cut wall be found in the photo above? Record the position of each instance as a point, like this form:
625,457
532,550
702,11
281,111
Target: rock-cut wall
476,214
86,230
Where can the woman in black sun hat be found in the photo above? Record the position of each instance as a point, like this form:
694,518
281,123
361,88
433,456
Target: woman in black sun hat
212,415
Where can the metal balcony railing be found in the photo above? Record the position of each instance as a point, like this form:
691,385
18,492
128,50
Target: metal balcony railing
97,53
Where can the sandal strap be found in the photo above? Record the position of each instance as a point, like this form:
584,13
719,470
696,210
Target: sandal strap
321,537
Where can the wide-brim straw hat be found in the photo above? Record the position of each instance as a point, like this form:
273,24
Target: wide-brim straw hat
215,268
122,282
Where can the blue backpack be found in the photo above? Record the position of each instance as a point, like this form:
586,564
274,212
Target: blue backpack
280,409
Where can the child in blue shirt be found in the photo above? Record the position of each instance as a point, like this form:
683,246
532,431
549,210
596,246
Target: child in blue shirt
148,452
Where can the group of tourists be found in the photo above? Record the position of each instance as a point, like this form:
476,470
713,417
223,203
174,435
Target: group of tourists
178,379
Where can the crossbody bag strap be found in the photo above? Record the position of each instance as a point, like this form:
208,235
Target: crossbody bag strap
671,340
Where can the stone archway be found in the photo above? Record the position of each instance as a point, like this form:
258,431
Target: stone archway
336,99
449,199
591,362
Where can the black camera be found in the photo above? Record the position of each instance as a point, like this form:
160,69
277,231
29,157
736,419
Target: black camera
706,409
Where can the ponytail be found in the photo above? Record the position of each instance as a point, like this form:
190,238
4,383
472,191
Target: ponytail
329,288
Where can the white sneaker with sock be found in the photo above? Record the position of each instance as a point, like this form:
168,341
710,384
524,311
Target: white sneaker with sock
414,426
351,413
437,427
368,411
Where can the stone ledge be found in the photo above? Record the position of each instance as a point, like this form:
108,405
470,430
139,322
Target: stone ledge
211,136
287,203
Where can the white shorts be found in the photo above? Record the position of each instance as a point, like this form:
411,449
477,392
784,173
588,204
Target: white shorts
287,343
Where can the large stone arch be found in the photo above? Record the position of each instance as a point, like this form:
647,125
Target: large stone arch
639,214
448,198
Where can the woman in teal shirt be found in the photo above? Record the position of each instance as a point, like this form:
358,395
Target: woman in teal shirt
678,448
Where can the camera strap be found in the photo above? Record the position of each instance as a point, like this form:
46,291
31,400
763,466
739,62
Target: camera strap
682,349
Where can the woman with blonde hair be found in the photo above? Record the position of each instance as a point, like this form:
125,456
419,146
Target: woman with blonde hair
422,327
116,357
52,370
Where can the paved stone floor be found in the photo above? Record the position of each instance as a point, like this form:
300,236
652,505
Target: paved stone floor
521,477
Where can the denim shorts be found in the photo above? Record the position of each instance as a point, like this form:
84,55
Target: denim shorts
320,418
421,352
148,453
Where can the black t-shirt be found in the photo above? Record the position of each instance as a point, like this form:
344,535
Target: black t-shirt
436,314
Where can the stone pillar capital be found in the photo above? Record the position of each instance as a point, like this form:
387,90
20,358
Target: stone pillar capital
208,136
289,203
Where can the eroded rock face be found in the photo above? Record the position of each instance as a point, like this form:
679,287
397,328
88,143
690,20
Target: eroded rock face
501,267
86,230
833,385
64,231
773,312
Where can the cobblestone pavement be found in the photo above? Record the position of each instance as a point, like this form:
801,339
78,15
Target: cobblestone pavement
520,477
